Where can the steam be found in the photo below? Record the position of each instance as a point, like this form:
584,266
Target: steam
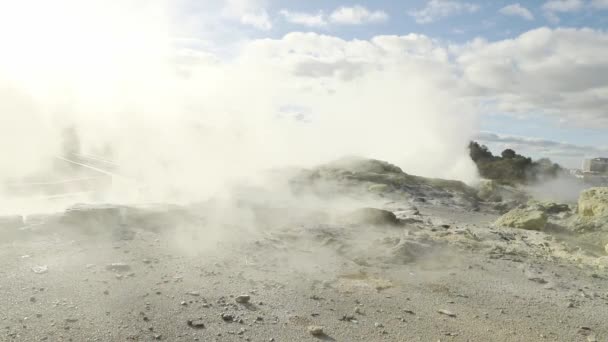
182,124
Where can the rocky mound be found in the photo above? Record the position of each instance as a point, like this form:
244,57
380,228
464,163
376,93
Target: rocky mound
585,225
357,176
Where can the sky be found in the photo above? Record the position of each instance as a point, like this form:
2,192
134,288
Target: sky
537,70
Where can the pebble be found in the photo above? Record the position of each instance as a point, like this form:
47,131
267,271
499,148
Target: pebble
118,267
196,323
538,280
242,299
315,330
447,313
40,269
227,317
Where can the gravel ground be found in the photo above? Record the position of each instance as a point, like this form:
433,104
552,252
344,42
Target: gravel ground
443,275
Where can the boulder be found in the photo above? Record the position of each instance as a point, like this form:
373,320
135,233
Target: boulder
593,203
555,208
373,216
524,218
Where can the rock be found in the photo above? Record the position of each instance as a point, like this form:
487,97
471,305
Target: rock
447,313
242,299
538,280
196,323
555,208
118,267
593,202
40,269
316,330
523,218
373,216
227,317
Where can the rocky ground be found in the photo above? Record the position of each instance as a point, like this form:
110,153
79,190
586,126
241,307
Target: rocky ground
416,260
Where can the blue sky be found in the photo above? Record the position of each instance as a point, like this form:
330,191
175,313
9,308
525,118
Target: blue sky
563,92
457,26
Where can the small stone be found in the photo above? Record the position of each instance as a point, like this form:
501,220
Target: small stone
378,325
315,330
158,337
227,317
538,280
447,313
118,267
242,299
196,323
348,318
40,269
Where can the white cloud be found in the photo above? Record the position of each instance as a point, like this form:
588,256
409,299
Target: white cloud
357,15
544,146
259,20
563,6
552,7
438,9
559,72
567,154
599,4
306,19
517,10
248,12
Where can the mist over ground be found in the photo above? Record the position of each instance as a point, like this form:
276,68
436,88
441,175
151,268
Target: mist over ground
180,124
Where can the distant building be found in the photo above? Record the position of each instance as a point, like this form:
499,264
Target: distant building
595,165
